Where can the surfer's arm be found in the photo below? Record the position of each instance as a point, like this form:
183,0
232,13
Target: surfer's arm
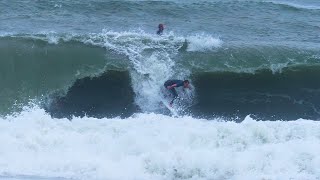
172,86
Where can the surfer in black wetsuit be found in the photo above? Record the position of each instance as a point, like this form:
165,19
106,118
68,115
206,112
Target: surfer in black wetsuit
172,84
160,29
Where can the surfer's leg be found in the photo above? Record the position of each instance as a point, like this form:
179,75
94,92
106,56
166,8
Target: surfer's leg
175,95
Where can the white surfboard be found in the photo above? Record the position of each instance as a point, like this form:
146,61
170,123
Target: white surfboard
173,111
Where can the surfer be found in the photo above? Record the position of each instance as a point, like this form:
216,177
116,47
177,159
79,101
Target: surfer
160,29
172,84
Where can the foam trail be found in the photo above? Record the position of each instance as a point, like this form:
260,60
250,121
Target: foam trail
152,146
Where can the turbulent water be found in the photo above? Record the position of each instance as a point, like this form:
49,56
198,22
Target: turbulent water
83,80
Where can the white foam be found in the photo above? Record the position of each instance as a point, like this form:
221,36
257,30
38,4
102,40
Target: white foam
58,5
152,146
4,34
278,67
202,42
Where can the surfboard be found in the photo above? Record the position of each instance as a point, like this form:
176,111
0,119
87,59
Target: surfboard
172,110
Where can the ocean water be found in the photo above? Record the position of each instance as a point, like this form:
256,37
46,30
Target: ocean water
82,89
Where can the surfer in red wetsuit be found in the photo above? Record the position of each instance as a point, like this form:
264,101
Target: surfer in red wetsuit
172,84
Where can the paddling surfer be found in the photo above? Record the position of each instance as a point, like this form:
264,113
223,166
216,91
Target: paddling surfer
160,29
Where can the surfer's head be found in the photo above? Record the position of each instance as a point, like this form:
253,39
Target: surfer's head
161,27
186,84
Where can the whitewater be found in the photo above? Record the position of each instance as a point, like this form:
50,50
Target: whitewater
154,146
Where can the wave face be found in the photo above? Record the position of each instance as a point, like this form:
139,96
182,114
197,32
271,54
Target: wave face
229,79
108,95
151,146
291,94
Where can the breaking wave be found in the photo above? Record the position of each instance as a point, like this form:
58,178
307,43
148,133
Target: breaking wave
139,63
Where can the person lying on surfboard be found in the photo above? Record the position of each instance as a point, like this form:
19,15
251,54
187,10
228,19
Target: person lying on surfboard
172,84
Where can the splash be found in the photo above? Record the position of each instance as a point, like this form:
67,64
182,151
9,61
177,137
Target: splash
152,60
